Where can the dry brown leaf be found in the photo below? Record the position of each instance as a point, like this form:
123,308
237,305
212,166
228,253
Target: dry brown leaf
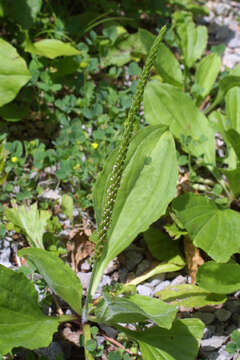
79,246
193,258
184,184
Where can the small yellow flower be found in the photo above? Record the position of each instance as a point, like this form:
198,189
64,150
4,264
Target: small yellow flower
94,145
76,167
14,159
83,64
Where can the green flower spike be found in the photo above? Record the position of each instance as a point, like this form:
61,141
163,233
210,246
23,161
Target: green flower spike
118,166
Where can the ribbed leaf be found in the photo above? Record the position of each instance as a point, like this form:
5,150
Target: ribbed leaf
181,342
214,230
148,185
219,278
135,308
14,73
59,276
193,41
207,72
168,105
22,322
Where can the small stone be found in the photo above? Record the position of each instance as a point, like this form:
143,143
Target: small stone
209,331
224,355
156,282
144,290
161,286
209,355
179,280
50,195
236,319
213,343
142,267
123,273
85,266
100,340
51,170
206,317
133,258
111,332
222,314
106,280
62,216
112,266
234,42
84,278
233,306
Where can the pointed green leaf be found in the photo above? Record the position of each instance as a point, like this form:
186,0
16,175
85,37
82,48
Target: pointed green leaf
22,322
168,67
193,41
181,342
59,276
221,124
212,229
233,177
31,222
147,187
14,73
219,278
67,206
161,246
225,84
51,48
167,105
135,308
234,139
232,100
22,12
189,295
207,71
175,264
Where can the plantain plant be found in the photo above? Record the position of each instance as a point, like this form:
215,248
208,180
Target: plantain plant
182,105
134,190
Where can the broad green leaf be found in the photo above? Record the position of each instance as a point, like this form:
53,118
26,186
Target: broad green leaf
22,322
221,124
234,139
22,12
212,229
193,41
189,295
12,112
31,222
51,48
14,73
207,71
232,100
219,278
233,177
147,187
137,44
67,206
147,39
168,67
181,342
59,276
161,246
168,105
225,84
135,308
